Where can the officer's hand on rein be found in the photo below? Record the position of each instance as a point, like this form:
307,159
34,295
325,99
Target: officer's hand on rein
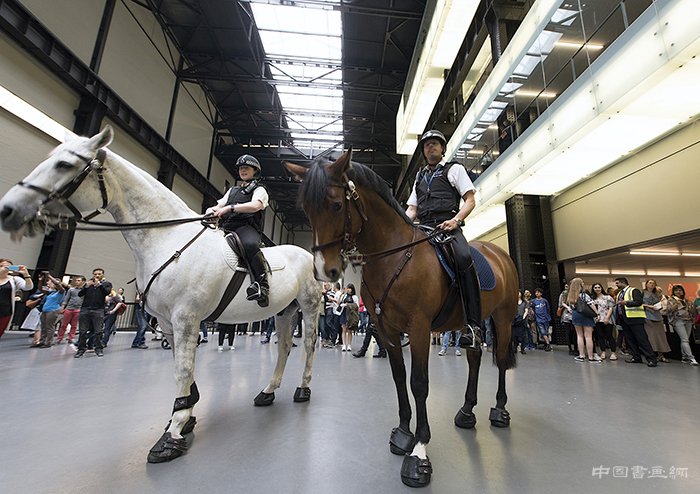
448,225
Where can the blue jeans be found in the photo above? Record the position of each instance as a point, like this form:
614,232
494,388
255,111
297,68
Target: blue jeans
683,329
110,319
364,318
488,333
141,318
446,339
204,329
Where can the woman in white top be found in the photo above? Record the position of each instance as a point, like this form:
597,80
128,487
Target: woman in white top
603,323
654,302
12,278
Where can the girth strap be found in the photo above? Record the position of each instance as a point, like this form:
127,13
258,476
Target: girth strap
231,290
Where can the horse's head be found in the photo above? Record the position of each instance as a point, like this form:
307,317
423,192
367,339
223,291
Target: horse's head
326,195
44,194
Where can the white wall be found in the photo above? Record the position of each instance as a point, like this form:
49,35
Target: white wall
23,147
134,69
498,236
652,194
185,191
192,132
74,22
38,87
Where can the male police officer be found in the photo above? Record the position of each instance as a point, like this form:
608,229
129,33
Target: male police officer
242,211
435,201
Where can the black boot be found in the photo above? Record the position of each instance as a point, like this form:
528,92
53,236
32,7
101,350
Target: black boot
259,289
471,297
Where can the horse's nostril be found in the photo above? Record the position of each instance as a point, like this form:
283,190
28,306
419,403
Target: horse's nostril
334,274
6,212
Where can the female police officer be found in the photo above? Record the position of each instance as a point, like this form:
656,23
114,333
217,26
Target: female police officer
242,211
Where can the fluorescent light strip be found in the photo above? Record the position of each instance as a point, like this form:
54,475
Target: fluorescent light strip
573,44
663,273
592,271
531,94
26,112
654,253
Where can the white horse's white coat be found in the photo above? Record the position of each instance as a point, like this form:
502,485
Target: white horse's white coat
190,288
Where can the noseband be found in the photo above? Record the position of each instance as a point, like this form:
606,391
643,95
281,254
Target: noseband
348,245
62,194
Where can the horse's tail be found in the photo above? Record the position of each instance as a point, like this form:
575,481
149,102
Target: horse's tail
510,361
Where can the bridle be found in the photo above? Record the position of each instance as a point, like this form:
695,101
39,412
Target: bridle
347,241
348,244
62,197
63,193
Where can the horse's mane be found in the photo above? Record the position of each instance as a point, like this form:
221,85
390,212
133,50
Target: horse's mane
313,189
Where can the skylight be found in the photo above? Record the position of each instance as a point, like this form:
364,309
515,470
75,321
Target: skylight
304,46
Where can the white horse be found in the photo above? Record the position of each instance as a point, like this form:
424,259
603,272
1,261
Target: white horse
180,296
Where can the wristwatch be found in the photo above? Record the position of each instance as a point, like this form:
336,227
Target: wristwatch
460,222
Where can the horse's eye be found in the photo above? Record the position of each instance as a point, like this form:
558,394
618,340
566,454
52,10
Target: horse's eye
337,206
64,165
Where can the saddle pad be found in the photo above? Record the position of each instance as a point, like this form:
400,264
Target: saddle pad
487,280
275,260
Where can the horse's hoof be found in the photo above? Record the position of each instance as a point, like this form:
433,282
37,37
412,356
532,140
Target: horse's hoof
264,399
415,472
302,394
187,428
499,417
465,420
167,448
401,442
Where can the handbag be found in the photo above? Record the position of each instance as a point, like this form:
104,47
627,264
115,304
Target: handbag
560,311
584,309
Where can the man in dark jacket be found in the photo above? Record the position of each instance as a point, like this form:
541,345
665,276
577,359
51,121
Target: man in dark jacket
92,312
435,201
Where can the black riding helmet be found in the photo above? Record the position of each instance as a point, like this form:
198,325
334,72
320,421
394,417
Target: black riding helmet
250,161
433,134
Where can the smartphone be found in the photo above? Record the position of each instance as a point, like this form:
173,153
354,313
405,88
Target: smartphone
13,268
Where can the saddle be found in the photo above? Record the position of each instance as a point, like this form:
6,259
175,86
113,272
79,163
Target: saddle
443,245
234,242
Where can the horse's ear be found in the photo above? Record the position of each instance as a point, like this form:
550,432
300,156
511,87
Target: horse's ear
297,170
342,164
68,136
102,139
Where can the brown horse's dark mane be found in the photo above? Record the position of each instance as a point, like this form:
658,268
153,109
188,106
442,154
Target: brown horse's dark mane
313,189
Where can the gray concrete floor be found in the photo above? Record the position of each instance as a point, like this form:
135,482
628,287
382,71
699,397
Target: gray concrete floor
87,425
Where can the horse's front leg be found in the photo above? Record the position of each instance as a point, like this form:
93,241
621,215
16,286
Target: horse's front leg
465,417
283,325
416,469
402,439
171,444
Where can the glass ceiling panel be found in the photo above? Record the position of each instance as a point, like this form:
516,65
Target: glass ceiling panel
324,47
287,18
308,33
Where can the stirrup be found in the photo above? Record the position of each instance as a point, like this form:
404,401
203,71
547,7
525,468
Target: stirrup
254,292
471,337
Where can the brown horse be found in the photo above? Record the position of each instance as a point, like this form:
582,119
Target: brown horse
351,209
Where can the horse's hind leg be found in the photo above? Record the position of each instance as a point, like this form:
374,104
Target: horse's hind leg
171,444
283,325
310,314
465,417
504,353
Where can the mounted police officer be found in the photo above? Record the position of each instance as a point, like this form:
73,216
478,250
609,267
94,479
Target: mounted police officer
435,201
242,211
